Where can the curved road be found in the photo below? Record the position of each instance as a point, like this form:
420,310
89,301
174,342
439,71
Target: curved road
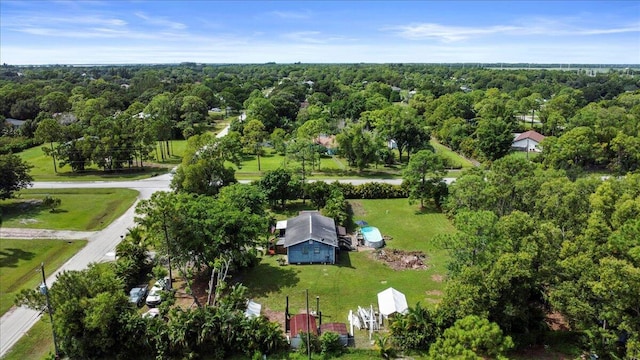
101,244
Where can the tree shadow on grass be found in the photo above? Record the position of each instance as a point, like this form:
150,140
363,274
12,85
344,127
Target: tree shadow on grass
429,208
9,258
266,278
344,259
22,209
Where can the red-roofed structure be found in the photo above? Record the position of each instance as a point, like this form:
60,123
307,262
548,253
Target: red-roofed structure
298,324
528,141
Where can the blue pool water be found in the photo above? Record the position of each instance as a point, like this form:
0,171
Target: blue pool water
372,236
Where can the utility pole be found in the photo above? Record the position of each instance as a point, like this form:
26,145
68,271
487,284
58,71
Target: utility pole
166,236
308,328
44,290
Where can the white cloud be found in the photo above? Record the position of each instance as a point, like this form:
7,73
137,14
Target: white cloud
161,21
306,36
295,15
448,33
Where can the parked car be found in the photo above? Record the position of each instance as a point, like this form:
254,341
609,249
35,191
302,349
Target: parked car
154,298
151,313
137,294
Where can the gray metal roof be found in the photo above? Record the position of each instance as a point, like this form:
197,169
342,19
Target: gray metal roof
310,226
15,122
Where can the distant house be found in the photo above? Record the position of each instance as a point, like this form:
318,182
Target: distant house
329,142
14,122
310,238
528,141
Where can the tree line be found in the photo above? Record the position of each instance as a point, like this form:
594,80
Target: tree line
114,117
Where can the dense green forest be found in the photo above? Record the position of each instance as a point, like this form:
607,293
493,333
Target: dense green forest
537,239
112,116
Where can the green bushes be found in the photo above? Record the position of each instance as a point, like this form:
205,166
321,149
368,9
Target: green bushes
328,344
372,190
16,144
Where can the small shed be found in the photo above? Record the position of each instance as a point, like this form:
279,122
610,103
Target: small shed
338,328
311,238
391,301
301,323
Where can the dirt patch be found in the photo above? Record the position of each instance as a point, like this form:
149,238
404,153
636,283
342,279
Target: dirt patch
401,260
357,208
434,293
437,277
274,316
28,221
557,322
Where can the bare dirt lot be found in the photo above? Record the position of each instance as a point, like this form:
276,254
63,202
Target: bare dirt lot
401,260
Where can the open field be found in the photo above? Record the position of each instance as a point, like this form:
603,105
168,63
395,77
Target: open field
43,170
20,264
357,277
81,209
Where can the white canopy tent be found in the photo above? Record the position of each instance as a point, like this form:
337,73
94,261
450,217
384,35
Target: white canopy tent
392,301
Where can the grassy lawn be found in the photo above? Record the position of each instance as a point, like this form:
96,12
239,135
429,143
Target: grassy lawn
455,159
81,209
331,167
37,343
357,278
20,264
523,154
43,169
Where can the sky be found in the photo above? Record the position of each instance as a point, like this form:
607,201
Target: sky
161,31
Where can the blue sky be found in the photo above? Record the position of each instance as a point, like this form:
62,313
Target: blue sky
118,32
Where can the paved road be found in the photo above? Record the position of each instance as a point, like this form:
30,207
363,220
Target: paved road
101,244
101,247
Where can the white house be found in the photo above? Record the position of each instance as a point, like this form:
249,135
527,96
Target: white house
528,141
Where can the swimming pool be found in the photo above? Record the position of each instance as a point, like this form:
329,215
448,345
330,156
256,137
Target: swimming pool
372,236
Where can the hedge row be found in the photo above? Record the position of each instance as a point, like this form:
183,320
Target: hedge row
373,190
16,144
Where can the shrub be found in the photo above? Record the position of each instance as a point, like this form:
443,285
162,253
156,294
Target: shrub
16,144
373,191
384,346
330,344
51,202
314,341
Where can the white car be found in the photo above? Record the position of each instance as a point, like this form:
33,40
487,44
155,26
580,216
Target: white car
154,298
151,313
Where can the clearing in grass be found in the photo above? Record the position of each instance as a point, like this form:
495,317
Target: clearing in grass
80,209
20,264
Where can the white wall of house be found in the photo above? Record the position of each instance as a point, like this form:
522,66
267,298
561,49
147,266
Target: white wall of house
522,144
